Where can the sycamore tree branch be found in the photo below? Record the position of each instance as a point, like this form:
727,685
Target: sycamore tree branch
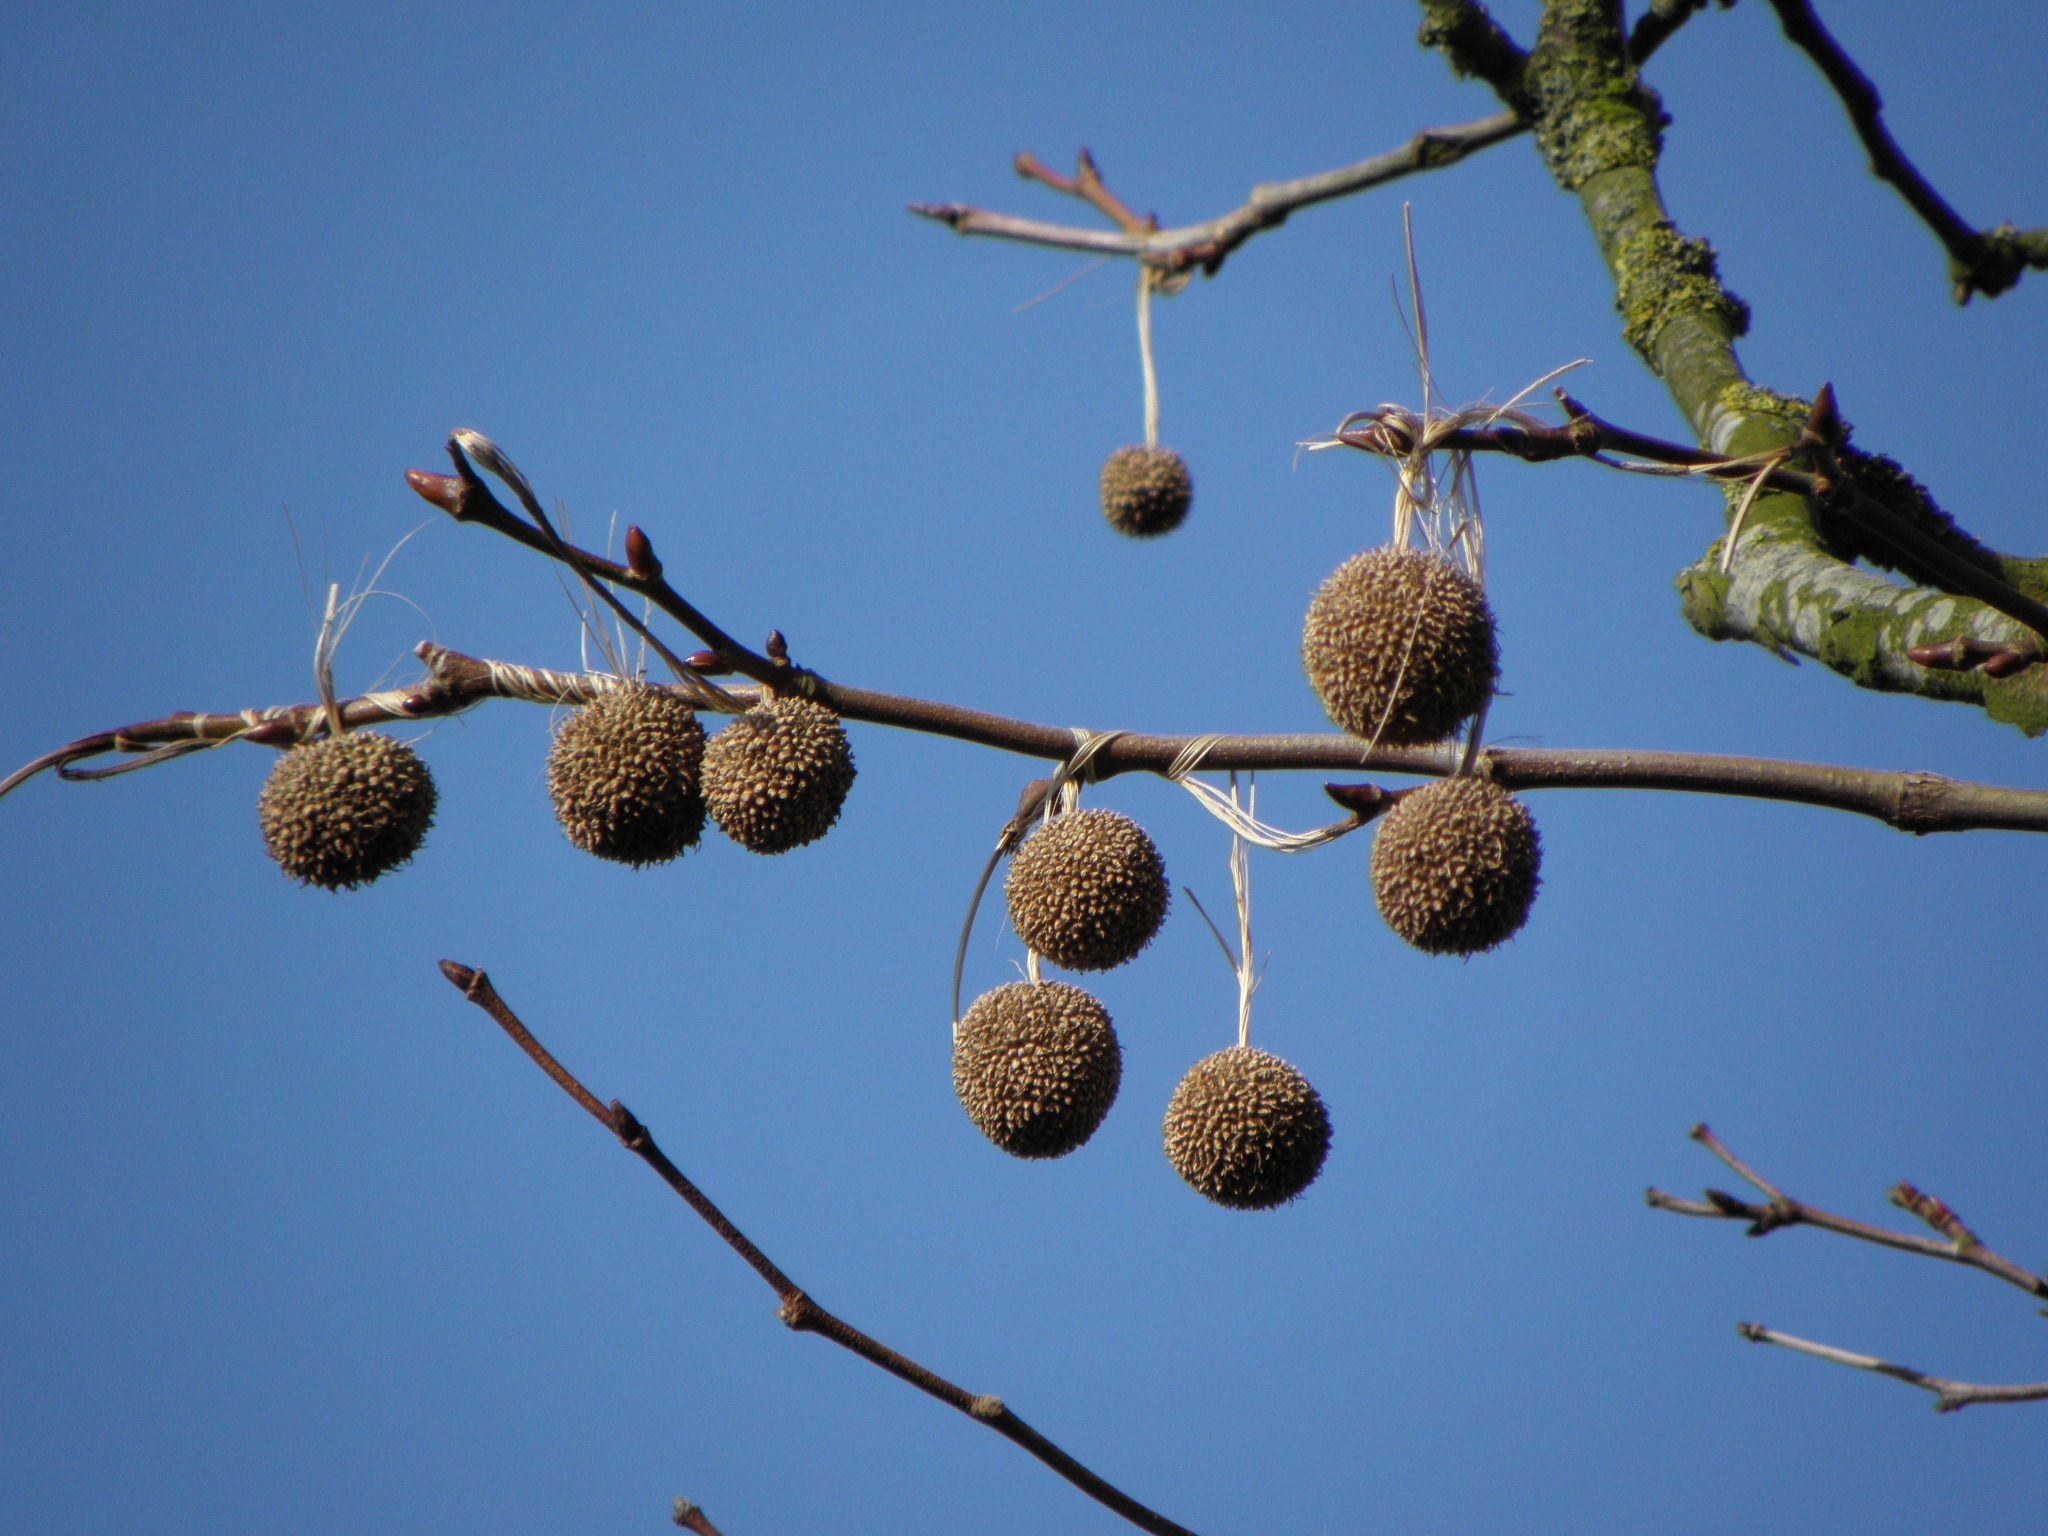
1205,246
796,1309
1790,587
1954,1243
1915,802
1979,261
1948,1395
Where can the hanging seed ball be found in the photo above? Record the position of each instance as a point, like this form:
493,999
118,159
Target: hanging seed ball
1146,491
1087,890
1246,1130
776,777
343,811
1399,646
1037,1065
1454,866
625,774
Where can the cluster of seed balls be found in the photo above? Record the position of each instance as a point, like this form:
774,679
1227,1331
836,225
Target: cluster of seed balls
1399,645
1037,1065
630,774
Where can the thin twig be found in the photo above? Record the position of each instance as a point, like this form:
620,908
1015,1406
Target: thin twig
1986,262
797,1310
1948,1395
1781,1210
1207,245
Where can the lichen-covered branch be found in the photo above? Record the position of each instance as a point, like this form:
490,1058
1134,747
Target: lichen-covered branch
1790,586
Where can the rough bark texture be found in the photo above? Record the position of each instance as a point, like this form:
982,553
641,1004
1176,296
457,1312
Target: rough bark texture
1794,587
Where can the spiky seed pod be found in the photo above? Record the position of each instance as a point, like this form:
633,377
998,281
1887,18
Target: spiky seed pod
1399,646
776,777
1454,866
1037,1065
1087,890
1246,1130
626,772
340,812
1146,491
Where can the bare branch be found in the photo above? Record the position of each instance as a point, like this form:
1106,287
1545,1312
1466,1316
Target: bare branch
1948,1395
1207,245
1979,261
1915,802
1781,1210
797,1310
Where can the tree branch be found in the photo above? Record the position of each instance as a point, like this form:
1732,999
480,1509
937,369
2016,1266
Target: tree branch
1979,261
1206,246
1948,1395
1958,1245
797,1310
1781,1210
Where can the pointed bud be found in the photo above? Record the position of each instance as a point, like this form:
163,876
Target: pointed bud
777,648
444,491
1364,801
640,558
1824,422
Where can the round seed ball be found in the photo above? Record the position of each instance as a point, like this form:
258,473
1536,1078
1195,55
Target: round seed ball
1246,1130
1454,866
1400,646
1146,491
340,812
776,777
1037,1066
1087,890
624,773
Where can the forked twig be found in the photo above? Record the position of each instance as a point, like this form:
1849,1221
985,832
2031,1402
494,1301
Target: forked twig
797,1310
1957,1245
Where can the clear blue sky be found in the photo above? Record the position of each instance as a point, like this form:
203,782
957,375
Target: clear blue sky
290,1238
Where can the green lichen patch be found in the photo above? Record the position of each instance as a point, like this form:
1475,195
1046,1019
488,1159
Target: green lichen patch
1658,275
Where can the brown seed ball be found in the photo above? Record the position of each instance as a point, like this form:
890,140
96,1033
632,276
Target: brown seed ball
343,811
625,772
1400,646
1454,866
1037,1066
776,777
1246,1130
1087,890
1146,491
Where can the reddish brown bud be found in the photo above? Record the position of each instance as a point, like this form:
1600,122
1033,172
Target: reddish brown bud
777,647
2005,663
1824,422
640,558
708,663
1365,801
273,733
444,491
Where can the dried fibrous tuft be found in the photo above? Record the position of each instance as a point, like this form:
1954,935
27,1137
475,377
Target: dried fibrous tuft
1087,890
1247,1130
1454,866
625,773
1399,646
1146,491
776,777
340,812
1037,1066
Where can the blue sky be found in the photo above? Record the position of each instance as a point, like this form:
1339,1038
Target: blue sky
293,1238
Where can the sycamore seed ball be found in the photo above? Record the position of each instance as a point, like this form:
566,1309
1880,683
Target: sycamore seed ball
1146,491
1087,890
1399,646
776,777
1247,1130
1037,1066
625,773
343,811
1454,866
